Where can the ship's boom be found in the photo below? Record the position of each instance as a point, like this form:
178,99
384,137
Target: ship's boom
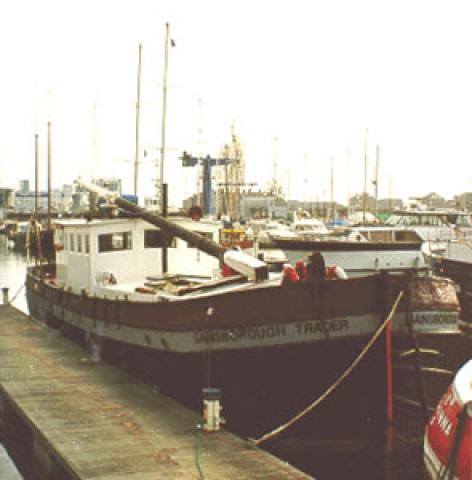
243,263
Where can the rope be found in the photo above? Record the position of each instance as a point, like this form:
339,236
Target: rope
17,293
353,365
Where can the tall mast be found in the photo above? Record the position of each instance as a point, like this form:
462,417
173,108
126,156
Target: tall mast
36,159
36,174
138,107
348,170
364,197
376,181
49,165
94,141
274,167
333,214
164,113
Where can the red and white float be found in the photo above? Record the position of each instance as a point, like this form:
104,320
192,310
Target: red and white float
448,436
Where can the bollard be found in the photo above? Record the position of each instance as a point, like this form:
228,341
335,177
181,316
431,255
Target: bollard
6,301
211,409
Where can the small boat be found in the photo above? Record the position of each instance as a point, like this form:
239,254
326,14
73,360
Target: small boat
361,251
437,226
447,447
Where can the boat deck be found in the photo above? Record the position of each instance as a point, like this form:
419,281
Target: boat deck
66,417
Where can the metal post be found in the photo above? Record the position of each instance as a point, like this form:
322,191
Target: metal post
6,300
211,409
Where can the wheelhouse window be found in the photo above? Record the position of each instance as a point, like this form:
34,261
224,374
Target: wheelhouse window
79,243
87,243
72,242
155,239
112,242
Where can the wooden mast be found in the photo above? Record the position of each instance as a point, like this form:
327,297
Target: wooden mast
49,167
364,197
36,174
163,188
138,107
164,114
376,181
333,213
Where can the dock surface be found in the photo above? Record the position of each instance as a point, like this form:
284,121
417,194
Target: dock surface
84,420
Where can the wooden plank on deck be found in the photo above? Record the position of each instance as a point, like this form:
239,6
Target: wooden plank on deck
101,424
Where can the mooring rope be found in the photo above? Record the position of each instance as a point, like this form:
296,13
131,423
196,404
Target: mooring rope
353,365
17,293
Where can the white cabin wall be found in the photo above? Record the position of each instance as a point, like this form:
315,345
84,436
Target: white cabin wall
78,270
190,261
128,265
78,264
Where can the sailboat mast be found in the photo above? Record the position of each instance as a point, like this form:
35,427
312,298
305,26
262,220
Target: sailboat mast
49,166
364,197
164,114
36,174
377,157
333,214
138,108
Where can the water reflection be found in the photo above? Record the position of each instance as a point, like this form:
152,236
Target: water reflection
12,274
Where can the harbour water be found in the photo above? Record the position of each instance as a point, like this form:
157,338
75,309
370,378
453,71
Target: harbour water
329,461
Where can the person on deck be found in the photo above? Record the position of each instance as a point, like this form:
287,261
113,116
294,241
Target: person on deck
316,267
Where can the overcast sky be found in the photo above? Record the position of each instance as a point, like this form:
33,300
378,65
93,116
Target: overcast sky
313,74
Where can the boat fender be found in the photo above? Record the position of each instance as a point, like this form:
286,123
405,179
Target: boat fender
301,270
448,435
334,272
227,271
289,275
